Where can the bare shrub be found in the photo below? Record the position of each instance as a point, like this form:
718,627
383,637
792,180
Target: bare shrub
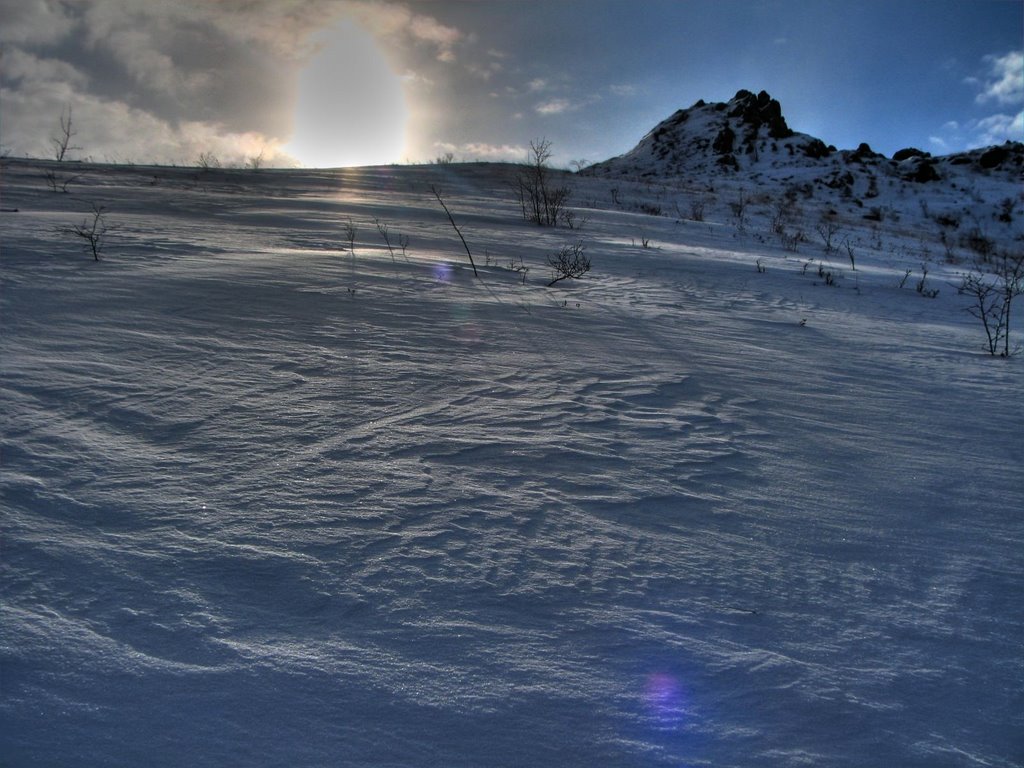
91,230
437,194
350,235
569,262
541,201
382,228
256,161
827,230
208,161
62,141
739,209
59,183
992,293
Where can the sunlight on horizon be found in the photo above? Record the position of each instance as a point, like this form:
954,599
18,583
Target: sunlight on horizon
350,108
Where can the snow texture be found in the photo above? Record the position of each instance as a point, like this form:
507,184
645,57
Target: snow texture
268,502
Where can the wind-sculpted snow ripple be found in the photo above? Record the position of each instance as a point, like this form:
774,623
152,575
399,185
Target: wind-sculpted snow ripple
268,502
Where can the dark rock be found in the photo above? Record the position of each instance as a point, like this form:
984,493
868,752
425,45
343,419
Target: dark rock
918,169
724,141
863,152
816,149
759,110
903,154
993,157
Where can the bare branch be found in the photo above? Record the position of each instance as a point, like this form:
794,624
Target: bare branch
62,142
455,226
569,262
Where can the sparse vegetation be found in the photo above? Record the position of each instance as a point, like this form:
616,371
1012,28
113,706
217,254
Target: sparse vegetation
569,263
59,183
350,235
928,293
451,219
92,230
62,141
382,228
208,161
542,201
255,162
992,292
827,230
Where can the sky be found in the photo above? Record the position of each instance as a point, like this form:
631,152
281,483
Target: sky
324,83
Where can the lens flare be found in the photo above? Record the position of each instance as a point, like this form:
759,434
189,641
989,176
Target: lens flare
443,272
665,699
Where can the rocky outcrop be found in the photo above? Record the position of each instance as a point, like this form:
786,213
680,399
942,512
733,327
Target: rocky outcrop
761,110
748,135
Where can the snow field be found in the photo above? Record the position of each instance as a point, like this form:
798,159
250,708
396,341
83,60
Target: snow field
269,503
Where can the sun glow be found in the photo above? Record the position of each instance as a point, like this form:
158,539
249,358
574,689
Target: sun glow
350,108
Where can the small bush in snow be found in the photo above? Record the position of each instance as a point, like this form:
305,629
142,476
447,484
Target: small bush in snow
91,230
59,183
827,230
383,229
697,208
928,293
451,220
62,141
542,201
569,262
350,235
207,161
992,293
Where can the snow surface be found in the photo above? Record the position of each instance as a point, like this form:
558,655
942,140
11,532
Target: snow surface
269,503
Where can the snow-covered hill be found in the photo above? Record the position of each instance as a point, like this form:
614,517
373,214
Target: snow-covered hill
747,138
731,499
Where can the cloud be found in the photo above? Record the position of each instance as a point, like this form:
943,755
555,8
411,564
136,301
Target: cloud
34,22
623,90
484,151
159,81
27,70
558,106
107,129
979,132
404,27
996,129
553,107
1004,83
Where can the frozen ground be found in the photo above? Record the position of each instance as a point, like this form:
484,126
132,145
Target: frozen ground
267,503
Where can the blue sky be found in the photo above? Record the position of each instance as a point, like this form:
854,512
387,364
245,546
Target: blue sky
345,82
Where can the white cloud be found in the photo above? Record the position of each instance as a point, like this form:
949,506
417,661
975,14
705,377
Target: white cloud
34,22
553,107
559,106
997,129
31,71
483,151
398,22
623,90
1005,81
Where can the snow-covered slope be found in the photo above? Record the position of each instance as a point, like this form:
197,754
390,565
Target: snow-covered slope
268,502
748,138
